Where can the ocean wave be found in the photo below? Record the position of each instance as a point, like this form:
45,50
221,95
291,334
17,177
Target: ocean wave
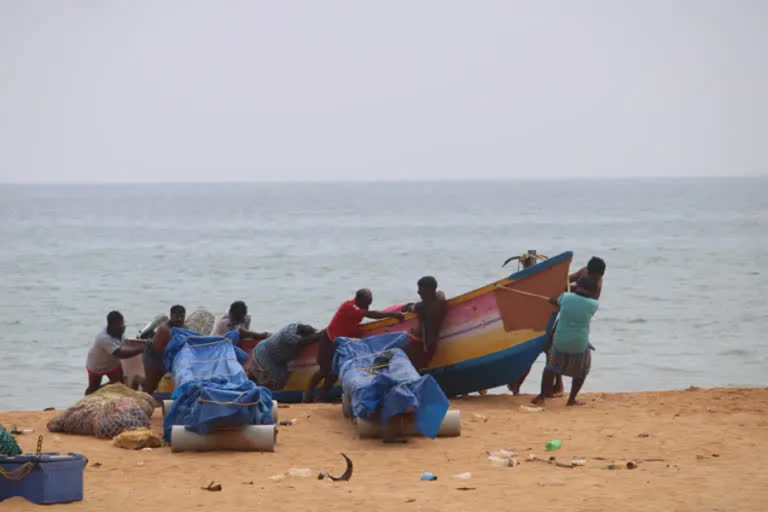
739,352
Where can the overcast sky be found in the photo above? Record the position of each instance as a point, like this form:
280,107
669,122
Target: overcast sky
103,91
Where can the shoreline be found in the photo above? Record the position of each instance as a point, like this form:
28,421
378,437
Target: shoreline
712,442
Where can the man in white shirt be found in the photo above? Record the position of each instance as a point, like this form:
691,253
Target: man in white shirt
107,351
237,318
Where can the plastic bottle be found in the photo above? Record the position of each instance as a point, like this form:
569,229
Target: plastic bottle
498,461
428,476
554,444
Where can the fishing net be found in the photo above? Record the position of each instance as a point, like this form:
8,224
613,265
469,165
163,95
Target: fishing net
117,416
8,444
106,413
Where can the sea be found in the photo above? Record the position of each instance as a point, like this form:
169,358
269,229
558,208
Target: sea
683,301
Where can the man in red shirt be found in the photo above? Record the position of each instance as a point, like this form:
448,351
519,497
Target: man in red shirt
345,323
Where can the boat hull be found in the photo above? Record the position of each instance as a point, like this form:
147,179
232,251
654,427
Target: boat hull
490,336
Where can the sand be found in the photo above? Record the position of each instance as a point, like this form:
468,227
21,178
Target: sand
714,444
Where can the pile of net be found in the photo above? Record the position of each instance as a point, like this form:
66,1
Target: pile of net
8,444
111,410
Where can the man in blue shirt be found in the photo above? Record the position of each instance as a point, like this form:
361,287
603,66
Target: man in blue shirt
570,352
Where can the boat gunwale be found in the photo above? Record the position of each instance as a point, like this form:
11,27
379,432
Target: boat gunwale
473,294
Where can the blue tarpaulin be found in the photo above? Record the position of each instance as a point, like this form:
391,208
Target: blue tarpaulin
379,379
212,388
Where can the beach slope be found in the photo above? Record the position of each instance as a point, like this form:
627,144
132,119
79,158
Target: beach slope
703,450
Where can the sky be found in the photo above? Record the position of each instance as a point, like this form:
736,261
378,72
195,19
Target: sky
146,91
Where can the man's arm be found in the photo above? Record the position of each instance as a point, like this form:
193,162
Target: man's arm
161,338
126,353
245,335
377,315
577,275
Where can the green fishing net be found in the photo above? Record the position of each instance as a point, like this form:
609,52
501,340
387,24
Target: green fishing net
8,444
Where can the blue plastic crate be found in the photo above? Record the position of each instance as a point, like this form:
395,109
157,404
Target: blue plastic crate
50,477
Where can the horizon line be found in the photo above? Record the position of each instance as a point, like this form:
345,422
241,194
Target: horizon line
378,180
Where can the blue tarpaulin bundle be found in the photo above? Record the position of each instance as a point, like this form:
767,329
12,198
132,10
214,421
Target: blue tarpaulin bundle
378,378
212,388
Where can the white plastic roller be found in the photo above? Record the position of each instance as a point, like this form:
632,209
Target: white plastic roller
166,407
246,438
168,403
450,426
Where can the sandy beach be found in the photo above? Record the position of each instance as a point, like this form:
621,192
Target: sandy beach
713,443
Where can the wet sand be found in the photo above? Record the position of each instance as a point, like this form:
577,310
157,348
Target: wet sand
714,444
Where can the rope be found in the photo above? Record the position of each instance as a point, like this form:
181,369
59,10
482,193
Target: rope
25,469
211,360
213,376
19,473
190,345
529,294
233,402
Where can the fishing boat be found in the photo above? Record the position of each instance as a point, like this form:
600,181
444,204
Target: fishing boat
490,336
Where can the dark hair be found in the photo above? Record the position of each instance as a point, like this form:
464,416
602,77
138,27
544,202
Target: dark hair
114,317
238,307
178,308
305,330
596,266
587,284
427,282
363,293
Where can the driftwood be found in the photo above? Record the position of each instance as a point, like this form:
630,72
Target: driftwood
534,458
654,459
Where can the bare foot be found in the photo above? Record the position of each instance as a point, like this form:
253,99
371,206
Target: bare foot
538,400
575,402
514,388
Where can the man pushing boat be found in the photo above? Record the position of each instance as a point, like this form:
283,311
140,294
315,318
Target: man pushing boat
269,365
345,323
595,269
154,368
431,312
570,351
236,318
107,351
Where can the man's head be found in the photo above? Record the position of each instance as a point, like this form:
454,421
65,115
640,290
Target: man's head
237,311
178,315
115,324
596,267
305,330
363,298
427,287
586,286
